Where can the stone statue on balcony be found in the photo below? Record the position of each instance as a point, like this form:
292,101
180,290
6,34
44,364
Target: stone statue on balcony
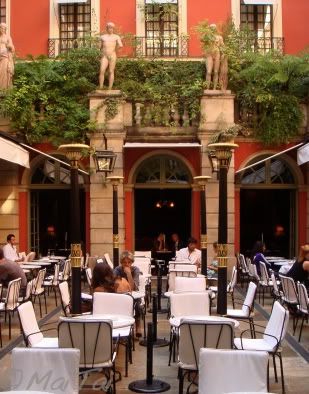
110,42
7,51
216,61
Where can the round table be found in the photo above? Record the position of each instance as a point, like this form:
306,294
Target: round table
119,321
38,263
175,321
30,266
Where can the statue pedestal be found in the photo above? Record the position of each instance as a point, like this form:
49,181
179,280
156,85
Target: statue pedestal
108,109
216,106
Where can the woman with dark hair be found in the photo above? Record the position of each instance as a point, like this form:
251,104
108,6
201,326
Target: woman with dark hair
104,280
300,269
257,256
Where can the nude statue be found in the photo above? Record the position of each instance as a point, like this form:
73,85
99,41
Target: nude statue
7,51
110,42
216,62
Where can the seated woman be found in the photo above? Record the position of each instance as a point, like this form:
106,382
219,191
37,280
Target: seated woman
300,269
212,269
257,256
104,280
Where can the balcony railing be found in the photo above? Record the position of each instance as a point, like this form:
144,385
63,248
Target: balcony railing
56,46
264,44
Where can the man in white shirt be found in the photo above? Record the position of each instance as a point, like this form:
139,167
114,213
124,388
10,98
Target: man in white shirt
190,253
10,251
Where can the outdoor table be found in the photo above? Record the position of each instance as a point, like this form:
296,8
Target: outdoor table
30,266
119,321
57,258
284,262
175,321
38,263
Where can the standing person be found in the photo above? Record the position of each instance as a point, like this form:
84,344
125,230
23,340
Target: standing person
300,269
257,256
109,44
10,251
10,270
191,253
6,58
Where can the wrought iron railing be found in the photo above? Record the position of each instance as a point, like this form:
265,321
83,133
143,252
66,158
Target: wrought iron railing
56,46
264,44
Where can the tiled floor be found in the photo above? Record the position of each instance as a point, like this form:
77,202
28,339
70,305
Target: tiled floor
296,369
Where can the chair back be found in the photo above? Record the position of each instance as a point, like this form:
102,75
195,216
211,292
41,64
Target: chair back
253,271
194,335
12,295
182,266
29,288
51,370
66,272
39,281
29,324
189,304
183,273
233,363
189,285
142,283
233,282
112,303
89,276
142,253
276,291
65,297
30,256
303,298
108,260
86,261
172,265
277,325
92,337
289,290
143,265
243,264
264,280
248,304
55,280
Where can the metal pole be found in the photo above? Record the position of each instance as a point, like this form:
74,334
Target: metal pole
150,339
203,231
115,226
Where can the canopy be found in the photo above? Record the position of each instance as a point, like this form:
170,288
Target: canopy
303,154
259,2
13,152
70,1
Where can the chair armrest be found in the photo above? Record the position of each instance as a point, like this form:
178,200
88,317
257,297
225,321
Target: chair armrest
257,332
116,346
40,332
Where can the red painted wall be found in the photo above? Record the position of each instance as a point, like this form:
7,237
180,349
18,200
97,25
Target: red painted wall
30,26
213,11
295,15
122,13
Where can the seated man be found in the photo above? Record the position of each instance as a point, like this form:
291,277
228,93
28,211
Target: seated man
10,270
9,250
190,253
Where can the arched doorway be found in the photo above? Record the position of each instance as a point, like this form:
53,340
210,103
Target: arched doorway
268,206
162,200
50,193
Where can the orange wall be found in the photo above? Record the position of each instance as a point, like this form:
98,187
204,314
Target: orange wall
121,12
214,11
295,15
30,26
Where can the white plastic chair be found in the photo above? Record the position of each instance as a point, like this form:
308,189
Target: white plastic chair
116,304
191,272
89,277
65,298
194,335
246,311
33,336
289,295
53,282
191,285
264,282
142,253
10,303
230,287
273,335
66,272
233,362
52,370
38,289
94,340
108,260
303,307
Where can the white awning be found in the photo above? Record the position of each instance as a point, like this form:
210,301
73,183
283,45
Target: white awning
70,1
259,2
162,145
303,154
13,152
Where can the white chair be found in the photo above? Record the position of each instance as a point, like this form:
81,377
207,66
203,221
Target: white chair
273,335
94,340
230,287
303,307
194,335
30,257
53,282
276,293
65,298
264,282
10,303
142,253
116,304
38,289
244,268
89,277
109,261
253,274
66,272
244,371
191,272
27,294
52,370
33,336
247,309
191,285
289,295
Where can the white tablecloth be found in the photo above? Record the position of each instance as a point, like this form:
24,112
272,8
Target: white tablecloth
119,321
175,321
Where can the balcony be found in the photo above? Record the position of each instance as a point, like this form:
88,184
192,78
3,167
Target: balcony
264,44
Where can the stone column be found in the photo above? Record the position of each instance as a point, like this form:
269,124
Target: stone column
111,114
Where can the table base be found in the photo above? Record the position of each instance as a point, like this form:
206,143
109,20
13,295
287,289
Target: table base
141,386
159,342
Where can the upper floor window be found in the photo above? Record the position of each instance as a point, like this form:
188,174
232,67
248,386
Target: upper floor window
2,11
75,24
161,27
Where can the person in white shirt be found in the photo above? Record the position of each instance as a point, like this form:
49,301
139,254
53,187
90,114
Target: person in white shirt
10,251
190,253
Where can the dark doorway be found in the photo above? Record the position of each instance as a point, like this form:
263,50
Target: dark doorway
50,220
161,210
268,215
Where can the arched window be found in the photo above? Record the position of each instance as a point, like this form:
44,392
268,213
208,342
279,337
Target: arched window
270,172
166,170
